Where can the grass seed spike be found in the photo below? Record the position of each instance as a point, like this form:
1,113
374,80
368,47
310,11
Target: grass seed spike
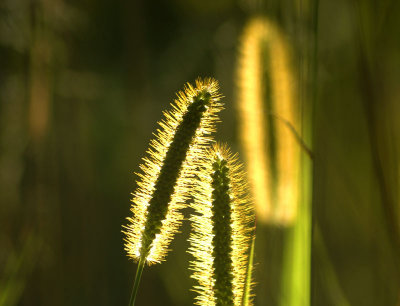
168,172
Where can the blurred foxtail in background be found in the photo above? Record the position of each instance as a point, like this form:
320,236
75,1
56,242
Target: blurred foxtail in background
269,118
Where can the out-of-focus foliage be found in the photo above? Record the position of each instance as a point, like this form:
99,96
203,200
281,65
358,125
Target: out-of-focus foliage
82,85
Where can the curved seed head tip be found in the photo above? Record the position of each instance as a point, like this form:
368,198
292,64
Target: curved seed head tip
223,227
267,108
168,170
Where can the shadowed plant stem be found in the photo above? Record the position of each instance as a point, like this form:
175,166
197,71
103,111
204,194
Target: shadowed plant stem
137,280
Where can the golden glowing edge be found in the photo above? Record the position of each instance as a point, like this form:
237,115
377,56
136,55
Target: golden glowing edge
153,163
202,236
253,117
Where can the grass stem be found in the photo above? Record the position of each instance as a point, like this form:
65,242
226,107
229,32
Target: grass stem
247,287
137,280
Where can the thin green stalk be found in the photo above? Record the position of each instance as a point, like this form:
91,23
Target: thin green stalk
247,286
137,281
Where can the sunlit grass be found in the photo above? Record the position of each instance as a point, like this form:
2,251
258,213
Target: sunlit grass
169,173
222,231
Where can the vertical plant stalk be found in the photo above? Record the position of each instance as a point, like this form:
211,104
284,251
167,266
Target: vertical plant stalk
296,280
269,119
137,281
168,173
223,227
247,287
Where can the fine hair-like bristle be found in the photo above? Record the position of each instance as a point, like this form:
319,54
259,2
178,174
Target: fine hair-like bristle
268,115
222,229
168,170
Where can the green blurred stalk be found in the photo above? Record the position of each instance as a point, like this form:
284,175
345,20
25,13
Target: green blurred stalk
296,270
296,280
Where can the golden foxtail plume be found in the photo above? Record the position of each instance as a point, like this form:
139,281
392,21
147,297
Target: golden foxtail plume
269,116
222,230
168,171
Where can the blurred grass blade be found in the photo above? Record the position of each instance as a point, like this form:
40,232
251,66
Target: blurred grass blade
331,281
296,280
17,269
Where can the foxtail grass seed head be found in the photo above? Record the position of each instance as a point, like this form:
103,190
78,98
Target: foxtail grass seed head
267,108
169,169
222,230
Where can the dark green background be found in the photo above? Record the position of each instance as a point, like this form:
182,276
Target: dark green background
110,68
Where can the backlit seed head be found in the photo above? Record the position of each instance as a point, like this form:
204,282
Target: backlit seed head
168,170
222,230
